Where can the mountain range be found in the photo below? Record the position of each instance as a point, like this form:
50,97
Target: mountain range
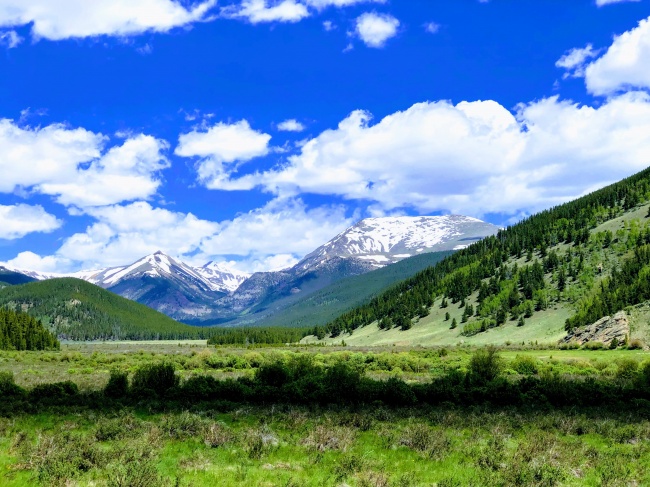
214,294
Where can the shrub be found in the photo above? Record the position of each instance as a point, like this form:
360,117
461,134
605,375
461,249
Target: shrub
485,365
153,379
627,369
525,365
593,346
118,384
55,392
8,387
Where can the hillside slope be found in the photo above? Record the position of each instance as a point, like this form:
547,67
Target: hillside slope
319,307
555,270
77,310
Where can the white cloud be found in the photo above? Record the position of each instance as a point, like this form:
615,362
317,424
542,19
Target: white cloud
259,11
600,3
472,158
123,234
329,26
625,65
291,125
574,60
29,261
274,236
322,4
375,29
63,19
221,147
71,165
16,221
283,226
431,27
10,39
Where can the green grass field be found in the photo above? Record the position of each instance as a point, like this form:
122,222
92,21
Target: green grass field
305,447
281,445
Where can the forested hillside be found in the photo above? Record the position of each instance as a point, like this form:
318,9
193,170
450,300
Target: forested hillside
20,331
77,310
555,256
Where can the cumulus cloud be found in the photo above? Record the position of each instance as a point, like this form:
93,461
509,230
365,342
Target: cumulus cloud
260,11
574,60
625,65
30,261
16,221
124,233
72,165
473,157
283,226
375,29
10,39
66,19
272,237
291,125
221,148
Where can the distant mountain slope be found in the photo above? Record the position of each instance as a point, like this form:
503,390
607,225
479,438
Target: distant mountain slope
12,277
78,310
369,245
321,306
563,267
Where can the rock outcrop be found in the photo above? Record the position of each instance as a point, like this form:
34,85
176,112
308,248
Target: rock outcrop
604,330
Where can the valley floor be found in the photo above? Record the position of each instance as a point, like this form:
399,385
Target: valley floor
157,444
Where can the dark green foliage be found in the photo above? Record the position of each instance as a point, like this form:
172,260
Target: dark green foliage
454,324
118,384
256,336
481,266
485,365
77,310
8,388
20,331
154,379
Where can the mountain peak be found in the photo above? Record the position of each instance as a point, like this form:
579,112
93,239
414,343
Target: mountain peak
385,240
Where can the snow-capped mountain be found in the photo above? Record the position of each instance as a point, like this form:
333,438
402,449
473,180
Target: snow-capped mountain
220,277
213,293
383,241
370,244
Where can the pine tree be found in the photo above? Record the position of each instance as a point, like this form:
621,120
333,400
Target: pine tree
454,324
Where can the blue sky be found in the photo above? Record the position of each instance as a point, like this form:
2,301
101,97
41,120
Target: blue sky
252,131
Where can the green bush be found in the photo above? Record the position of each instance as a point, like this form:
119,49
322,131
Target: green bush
627,369
154,379
593,346
525,365
485,365
57,391
118,385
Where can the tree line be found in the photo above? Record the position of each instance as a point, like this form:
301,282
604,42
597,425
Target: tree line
20,331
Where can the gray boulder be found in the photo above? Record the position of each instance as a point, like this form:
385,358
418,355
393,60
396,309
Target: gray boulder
604,330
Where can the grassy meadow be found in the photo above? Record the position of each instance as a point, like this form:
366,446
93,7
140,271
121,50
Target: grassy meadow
152,443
